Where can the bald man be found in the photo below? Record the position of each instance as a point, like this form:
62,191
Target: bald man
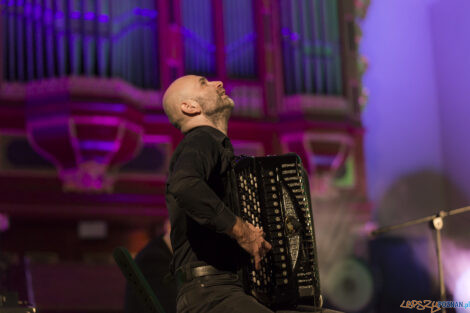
209,241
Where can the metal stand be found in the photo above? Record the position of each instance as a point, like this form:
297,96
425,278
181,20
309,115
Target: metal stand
437,222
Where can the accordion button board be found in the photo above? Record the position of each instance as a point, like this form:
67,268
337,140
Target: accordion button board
273,193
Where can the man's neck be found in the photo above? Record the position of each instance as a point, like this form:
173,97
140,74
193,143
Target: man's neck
221,125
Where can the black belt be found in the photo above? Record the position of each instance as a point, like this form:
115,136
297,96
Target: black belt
184,275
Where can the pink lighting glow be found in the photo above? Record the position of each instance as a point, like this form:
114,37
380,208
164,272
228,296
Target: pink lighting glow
84,137
462,285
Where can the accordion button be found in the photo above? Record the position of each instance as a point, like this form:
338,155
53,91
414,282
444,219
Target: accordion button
286,281
271,173
275,203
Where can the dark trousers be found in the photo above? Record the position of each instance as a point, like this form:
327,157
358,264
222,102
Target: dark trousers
222,293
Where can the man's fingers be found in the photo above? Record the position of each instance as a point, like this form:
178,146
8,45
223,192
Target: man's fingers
262,252
257,261
267,246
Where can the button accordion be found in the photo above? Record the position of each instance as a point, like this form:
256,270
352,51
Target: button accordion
273,193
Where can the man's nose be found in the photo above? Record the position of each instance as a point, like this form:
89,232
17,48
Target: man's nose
218,84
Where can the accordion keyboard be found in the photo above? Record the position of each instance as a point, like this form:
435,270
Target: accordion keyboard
273,194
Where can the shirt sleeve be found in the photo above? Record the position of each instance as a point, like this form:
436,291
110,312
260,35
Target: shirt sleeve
188,185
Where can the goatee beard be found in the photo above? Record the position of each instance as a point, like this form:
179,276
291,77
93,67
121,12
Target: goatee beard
223,110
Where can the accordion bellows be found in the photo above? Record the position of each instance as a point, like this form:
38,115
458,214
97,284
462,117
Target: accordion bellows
273,193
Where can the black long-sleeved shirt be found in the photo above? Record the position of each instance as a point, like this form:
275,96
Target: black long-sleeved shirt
198,200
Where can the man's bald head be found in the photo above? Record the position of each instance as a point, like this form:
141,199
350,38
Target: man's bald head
192,101
180,90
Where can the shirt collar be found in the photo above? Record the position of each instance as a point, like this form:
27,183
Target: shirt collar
214,132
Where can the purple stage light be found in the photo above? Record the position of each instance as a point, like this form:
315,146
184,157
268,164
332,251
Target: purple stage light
59,15
462,289
48,16
210,47
89,16
37,11
285,31
241,42
103,18
75,14
27,9
98,145
294,36
145,12
107,107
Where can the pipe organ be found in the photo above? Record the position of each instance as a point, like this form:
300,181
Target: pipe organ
288,64
311,47
44,39
240,39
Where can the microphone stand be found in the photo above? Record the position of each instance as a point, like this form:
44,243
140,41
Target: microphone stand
437,222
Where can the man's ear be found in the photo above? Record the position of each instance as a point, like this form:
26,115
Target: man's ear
190,107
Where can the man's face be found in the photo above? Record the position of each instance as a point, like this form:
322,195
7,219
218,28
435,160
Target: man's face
212,98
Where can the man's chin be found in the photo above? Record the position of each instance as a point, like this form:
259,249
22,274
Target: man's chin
229,101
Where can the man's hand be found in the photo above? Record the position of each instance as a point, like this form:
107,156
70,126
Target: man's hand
251,239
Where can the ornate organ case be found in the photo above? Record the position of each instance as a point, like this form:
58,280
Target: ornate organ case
273,193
